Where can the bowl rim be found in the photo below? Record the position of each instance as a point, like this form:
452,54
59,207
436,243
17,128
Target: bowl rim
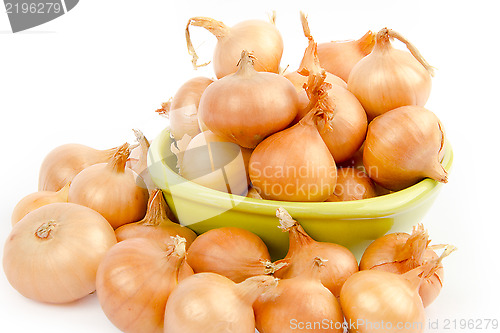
380,206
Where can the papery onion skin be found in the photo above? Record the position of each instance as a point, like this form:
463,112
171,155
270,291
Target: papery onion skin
212,303
183,113
261,38
248,106
156,224
389,78
229,251
134,281
339,57
36,200
53,253
401,252
63,163
212,161
301,300
403,146
352,184
384,299
113,190
294,165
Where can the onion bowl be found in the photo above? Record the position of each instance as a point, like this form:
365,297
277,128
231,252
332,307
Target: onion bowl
353,224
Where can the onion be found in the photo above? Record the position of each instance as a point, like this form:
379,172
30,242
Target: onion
156,224
374,300
352,184
339,57
345,134
388,78
399,253
36,200
112,189
135,279
259,37
182,111
295,164
63,163
210,160
233,252
212,303
340,262
404,146
253,193
301,304
138,159
378,301
247,106
52,254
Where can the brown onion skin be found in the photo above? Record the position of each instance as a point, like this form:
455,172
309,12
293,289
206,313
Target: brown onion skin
299,148
63,163
303,250
339,57
58,264
403,146
156,224
186,101
36,200
212,303
260,37
248,106
352,184
302,298
134,281
389,78
348,128
393,299
232,252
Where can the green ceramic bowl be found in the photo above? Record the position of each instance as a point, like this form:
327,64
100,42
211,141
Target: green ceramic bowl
354,224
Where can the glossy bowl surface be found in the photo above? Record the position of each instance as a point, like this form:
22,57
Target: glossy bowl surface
354,224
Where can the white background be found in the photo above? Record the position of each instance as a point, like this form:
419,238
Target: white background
102,69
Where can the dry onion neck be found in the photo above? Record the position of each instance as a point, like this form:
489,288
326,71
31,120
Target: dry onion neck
425,271
385,35
272,267
119,159
177,247
310,62
254,286
245,64
44,231
414,248
217,28
288,224
157,210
